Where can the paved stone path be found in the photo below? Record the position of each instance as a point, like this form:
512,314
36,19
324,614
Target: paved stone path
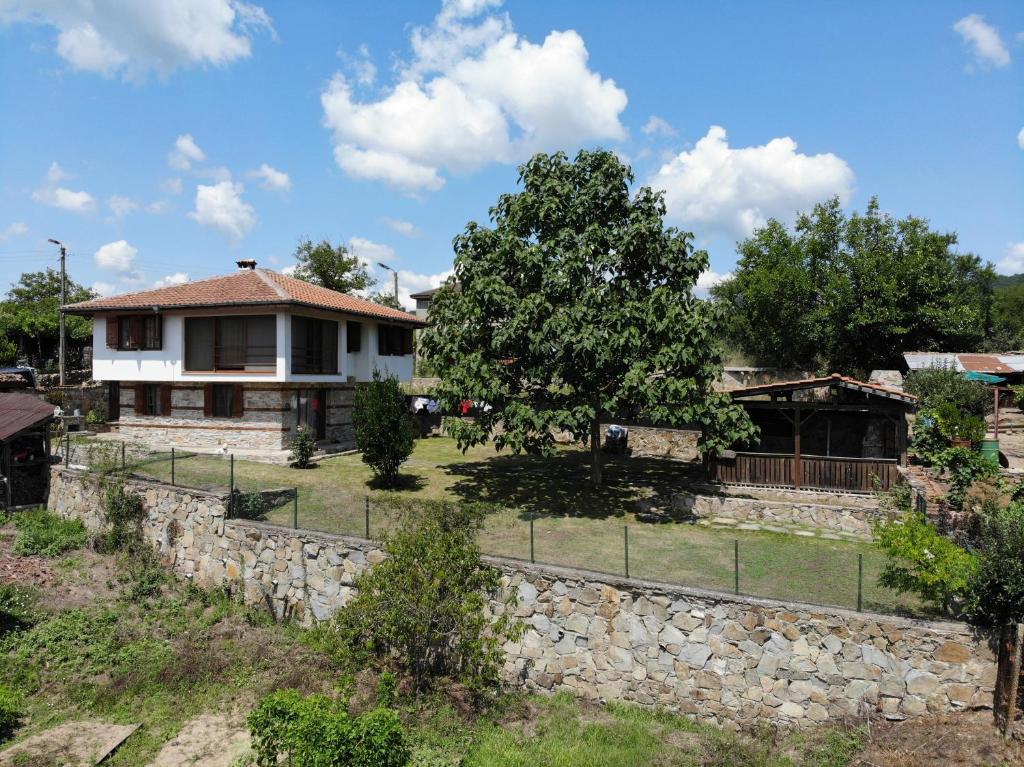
722,523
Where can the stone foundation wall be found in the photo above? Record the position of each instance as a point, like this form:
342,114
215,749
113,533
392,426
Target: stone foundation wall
652,442
852,520
719,658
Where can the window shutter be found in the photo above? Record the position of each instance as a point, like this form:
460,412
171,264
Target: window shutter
382,339
136,333
406,341
208,400
165,400
238,401
140,399
112,332
159,340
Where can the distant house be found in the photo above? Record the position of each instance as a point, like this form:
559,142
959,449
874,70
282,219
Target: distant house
828,433
240,361
423,300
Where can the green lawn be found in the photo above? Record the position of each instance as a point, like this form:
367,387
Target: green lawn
574,524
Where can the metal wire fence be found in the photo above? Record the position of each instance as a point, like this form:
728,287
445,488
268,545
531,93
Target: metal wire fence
761,564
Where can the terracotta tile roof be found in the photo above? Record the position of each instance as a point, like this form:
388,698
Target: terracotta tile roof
19,411
247,287
833,380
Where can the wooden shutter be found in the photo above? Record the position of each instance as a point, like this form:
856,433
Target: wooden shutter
382,339
112,332
406,341
165,400
330,347
137,333
208,400
159,333
140,399
238,401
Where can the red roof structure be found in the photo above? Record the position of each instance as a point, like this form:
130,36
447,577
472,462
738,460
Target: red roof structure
835,379
20,411
247,287
985,363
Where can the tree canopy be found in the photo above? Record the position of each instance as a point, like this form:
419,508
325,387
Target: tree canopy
849,294
577,307
331,266
30,315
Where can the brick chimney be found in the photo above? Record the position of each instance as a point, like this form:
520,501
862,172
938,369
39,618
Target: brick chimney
246,264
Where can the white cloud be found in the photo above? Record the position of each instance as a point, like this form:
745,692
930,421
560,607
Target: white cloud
112,37
718,190
709,279
221,206
55,174
370,252
290,270
172,186
404,228
272,179
14,230
983,40
1013,261
66,199
658,126
185,152
105,289
1020,138
121,206
413,282
178,278
158,207
456,108
116,256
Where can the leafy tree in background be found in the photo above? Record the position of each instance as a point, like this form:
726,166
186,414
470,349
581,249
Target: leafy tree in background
1007,317
30,318
331,266
389,300
577,306
851,293
383,425
936,386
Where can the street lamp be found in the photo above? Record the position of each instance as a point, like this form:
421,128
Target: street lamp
385,266
60,309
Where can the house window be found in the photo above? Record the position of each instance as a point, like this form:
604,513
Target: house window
393,341
224,400
152,399
214,344
141,332
314,346
354,337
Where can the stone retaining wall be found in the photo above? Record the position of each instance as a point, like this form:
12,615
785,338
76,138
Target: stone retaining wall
853,520
719,658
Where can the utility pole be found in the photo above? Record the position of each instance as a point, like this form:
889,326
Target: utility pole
63,299
395,273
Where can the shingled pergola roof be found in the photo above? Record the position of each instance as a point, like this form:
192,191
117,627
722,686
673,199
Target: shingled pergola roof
835,379
247,287
20,411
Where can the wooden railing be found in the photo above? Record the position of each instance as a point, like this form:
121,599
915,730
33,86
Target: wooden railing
858,475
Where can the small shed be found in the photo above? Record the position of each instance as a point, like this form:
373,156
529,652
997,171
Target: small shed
828,433
24,449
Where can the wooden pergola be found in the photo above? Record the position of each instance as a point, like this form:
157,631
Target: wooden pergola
828,433
24,449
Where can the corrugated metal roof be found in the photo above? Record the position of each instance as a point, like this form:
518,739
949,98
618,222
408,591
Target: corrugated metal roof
984,363
1014,361
19,411
925,360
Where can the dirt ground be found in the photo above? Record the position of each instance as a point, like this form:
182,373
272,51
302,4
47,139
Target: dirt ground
969,739
211,740
74,744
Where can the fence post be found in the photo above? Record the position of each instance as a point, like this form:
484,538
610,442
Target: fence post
123,468
367,525
531,539
231,503
172,467
860,582
625,538
736,562
67,450
295,511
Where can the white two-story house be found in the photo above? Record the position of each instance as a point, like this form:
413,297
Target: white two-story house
240,361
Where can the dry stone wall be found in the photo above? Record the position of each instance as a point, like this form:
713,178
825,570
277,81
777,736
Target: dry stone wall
718,658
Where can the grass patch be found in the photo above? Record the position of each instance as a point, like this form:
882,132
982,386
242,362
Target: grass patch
45,534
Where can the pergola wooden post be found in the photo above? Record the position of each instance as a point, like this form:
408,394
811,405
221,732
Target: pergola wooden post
798,469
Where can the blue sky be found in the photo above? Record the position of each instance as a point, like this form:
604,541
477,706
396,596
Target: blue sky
164,140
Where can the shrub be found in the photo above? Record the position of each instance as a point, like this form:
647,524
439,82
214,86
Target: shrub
16,608
923,562
425,606
997,588
251,506
8,352
965,467
10,712
302,445
955,424
46,534
124,512
935,386
385,434
316,731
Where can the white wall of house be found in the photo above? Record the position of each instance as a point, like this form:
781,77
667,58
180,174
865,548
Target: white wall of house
167,364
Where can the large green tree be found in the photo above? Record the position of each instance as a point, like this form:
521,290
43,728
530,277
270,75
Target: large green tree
1007,316
30,316
850,293
331,266
577,306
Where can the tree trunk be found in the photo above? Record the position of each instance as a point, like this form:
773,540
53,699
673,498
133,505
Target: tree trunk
595,452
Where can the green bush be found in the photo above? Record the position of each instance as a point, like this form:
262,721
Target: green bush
956,424
997,588
385,433
425,606
10,712
251,506
16,608
923,562
124,512
302,445
316,731
45,534
8,352
935,386
965,467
